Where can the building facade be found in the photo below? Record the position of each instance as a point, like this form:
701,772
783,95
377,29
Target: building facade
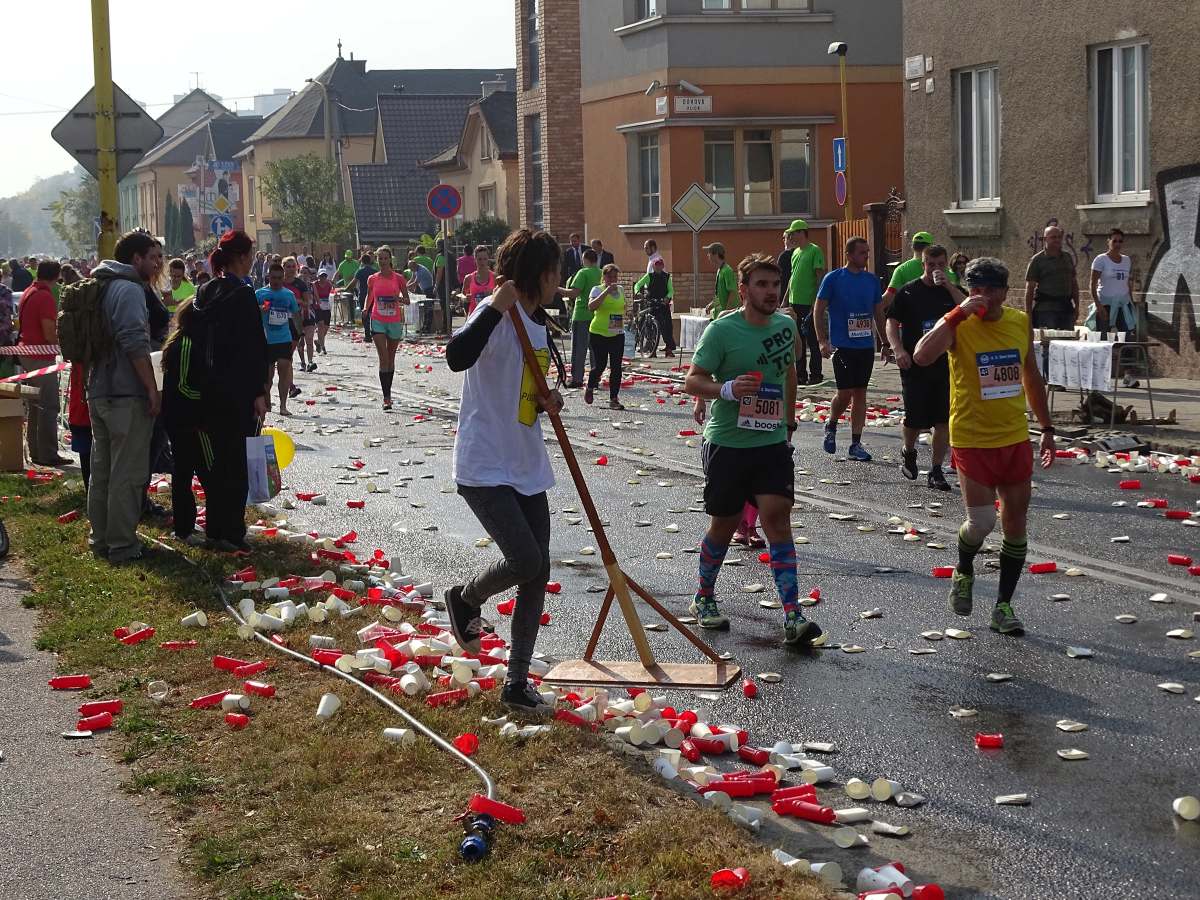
741,97
549,122
1087,121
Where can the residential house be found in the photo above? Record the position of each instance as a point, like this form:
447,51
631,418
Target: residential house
482,160
1086,120
743,98
197,164
336,116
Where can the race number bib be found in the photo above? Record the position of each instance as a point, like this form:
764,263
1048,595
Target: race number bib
858,327
278,316
386,306
527,411
324,303
762,411
999,374
615,325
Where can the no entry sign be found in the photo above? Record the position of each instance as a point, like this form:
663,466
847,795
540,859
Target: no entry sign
444,201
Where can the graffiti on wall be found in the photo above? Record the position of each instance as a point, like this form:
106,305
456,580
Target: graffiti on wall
1173,286
1037,241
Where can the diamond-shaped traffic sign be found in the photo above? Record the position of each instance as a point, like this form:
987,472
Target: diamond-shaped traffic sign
696,207
137,132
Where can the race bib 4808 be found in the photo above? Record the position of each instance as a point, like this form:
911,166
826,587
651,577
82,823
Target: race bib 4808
762,411
999,374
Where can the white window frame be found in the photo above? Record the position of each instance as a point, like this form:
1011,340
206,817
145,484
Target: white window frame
737,6
740,194
1141,186
649,207
486,193
978,200
644,9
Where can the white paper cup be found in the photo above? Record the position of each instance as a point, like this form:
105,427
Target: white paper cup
665,769
828,872
817,775
898,878
852,814
328,705
1187,808
321,641
410,685
405,737
267,622
880,879
158,691
235,702
847,837
673,738
246,607
719,800
671,756
275,593
195,619
857,789
885,789
788,861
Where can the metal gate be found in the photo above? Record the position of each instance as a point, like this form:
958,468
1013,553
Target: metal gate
840,232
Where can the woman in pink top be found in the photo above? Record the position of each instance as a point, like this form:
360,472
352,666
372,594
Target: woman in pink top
387,295
481,283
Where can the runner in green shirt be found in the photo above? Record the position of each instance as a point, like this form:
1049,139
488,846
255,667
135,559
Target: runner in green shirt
607,335
422,258
580,290
910,269
807,270
726,290
181,288
346,269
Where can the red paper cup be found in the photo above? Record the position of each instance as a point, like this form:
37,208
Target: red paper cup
95,707
1178,559
943,571
1043,568
466,744
1131,484
1177,514
98,722
989,741
726,879
208,700
70,682
754,755
258,688
228,663
749,689
510,815
237,721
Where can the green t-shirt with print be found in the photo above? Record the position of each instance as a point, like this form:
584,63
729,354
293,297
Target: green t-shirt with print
726,282
608,320
423,260
909,270
806,262
730,347
585,279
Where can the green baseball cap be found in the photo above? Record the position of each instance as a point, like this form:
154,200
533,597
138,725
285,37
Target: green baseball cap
922,237
797,225
349,254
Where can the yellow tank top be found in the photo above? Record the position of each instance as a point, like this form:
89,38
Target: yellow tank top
987,399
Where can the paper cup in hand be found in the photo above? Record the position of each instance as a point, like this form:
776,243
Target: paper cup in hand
328,706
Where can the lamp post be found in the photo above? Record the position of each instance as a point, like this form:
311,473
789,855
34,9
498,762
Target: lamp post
839,48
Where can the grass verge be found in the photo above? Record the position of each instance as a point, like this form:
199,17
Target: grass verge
290,807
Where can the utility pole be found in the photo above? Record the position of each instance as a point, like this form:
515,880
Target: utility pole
106,130
840,49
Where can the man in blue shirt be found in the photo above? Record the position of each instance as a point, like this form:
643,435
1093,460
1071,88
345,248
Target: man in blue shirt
848,315
279,307
365,271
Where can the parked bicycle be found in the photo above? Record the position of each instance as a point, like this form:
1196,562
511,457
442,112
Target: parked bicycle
644,326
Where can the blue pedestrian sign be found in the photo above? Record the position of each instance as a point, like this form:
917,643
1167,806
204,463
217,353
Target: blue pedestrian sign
221,224
839,154
444,201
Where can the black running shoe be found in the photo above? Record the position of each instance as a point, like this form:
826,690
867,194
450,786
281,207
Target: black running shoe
937,479
524,698
908,464
465,623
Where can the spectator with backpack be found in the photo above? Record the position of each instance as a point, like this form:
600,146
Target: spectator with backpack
215,395
104,326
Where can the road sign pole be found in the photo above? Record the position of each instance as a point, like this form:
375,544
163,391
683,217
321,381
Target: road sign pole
106,130
446,257
695,270
846,135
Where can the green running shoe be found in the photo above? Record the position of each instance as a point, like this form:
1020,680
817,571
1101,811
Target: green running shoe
800,632
960,593
708,615
1005,621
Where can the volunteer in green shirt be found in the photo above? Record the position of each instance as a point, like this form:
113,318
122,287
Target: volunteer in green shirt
745,365
422,257
660,291
726,291
580,290
910,269
346,269
807,270
181,288
607,334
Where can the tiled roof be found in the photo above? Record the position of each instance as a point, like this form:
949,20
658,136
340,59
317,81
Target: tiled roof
353,90
223,131
499,110
389,198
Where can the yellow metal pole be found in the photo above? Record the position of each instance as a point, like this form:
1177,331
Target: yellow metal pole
846,135
106,130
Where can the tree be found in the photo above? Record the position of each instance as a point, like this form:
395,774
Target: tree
186,227
302,191
171,225
484,230
73,215
15,239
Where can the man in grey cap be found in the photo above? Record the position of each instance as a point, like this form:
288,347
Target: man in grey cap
993,371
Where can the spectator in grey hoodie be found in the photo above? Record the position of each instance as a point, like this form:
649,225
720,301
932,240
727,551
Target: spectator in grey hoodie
123,400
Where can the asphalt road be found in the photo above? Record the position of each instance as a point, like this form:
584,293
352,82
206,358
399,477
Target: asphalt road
1101,827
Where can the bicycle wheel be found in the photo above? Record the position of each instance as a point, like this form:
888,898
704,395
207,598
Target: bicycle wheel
648,335
3,541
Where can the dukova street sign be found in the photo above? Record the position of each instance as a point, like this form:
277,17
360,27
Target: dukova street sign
136,131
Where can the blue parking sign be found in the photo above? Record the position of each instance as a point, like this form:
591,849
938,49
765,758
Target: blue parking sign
839,154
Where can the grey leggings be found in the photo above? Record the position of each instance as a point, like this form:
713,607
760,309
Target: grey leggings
520,526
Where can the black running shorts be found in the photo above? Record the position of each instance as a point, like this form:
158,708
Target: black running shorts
734,476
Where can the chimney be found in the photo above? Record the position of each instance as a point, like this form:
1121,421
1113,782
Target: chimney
490,87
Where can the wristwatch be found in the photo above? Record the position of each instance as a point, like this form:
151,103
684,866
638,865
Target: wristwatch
1047,429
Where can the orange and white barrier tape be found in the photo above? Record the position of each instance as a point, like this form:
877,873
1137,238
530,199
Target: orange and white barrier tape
30,350
48,370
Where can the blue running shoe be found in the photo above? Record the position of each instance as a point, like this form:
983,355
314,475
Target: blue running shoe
859,452
830,444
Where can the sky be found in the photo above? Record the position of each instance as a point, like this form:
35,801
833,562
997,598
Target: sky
158,48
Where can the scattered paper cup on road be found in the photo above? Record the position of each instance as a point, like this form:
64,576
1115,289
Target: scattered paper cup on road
884,789
851,815
1012,800
235,702
857,789
158,691
328,705
828,872
1072,754
847,837
196,619
1187,808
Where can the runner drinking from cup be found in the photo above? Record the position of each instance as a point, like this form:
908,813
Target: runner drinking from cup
279,312
500,462
607,335
745,364
993,371
387,295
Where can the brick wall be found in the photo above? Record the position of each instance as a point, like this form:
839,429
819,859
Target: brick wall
556,99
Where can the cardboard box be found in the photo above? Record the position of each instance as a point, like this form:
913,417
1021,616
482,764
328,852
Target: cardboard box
12,447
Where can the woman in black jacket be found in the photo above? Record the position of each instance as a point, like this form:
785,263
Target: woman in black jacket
215,395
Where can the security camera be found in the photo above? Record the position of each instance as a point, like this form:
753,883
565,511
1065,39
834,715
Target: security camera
654,86
837,48
690,88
